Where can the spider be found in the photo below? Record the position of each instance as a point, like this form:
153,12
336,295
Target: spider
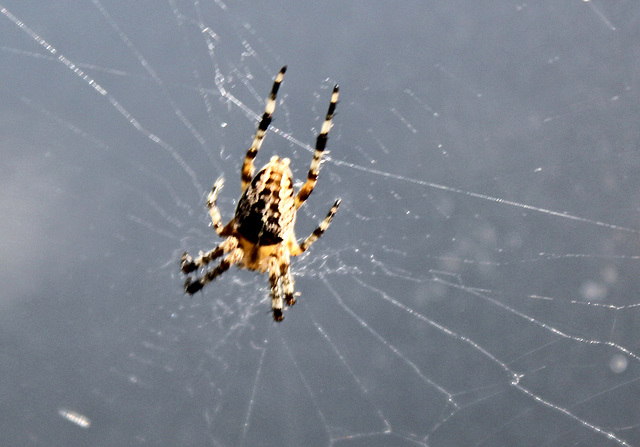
261,235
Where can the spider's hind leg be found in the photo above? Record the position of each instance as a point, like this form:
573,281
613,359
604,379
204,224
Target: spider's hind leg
192,286
275,280
289,291
188,264
288,284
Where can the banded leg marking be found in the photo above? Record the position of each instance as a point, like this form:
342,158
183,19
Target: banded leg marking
192,286
321,142
276,292
288,284
188,264
295,251
216,220
247,166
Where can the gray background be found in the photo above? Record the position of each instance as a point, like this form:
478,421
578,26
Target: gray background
477,287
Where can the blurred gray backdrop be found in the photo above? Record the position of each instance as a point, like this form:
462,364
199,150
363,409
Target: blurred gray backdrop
477,287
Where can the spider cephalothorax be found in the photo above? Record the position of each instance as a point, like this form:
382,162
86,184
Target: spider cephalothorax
261,235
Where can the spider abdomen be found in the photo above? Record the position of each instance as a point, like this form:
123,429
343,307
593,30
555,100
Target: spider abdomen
266,211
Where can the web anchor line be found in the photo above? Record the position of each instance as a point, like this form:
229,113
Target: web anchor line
103,92
477,195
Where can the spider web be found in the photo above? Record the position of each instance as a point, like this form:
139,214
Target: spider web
478,285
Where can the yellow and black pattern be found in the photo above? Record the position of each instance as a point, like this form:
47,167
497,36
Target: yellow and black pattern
265,214
321,143
247,166
261,235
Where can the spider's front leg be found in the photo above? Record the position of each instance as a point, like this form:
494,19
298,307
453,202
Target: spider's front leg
321,143
247,165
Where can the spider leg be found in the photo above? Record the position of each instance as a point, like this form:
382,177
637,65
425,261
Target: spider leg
188,264
287,281
247,166
192,286
321,142
216,220
296,249
276,290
